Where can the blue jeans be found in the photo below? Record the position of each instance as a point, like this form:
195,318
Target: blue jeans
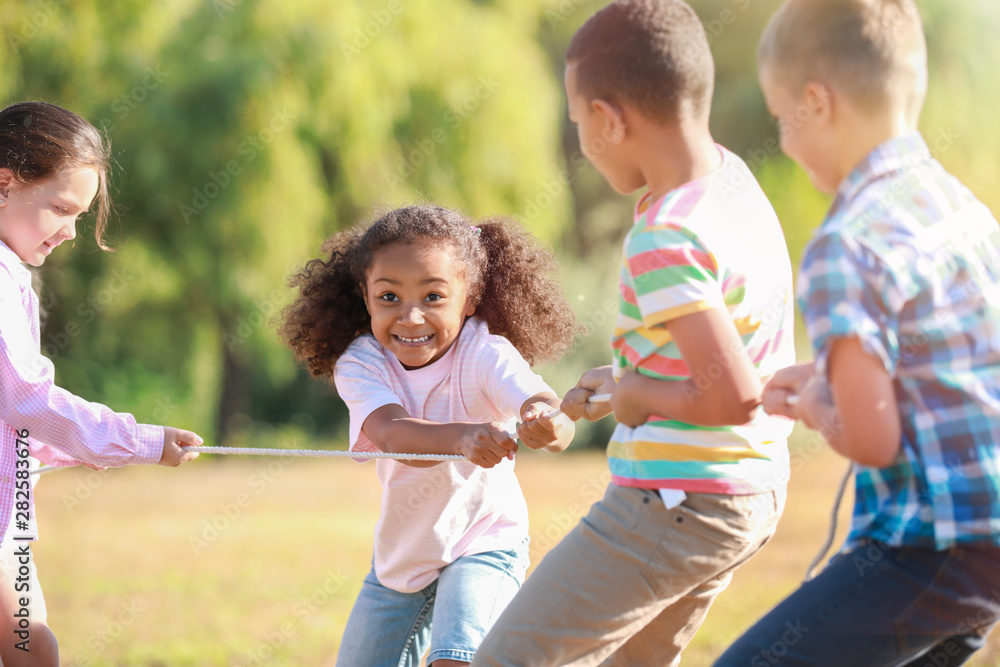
877,605
451,615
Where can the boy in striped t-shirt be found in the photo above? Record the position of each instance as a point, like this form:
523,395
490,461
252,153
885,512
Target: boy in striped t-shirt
705,318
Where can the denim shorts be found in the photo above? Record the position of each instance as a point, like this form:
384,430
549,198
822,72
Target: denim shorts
450,616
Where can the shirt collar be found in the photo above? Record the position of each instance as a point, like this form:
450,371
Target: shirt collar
10,261
906,152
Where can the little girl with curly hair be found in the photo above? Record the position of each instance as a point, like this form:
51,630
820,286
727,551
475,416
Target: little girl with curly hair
428,324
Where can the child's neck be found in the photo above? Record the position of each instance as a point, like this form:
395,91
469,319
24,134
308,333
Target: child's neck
860,133
677,154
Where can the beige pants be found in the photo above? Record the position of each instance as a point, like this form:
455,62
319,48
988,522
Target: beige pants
631,584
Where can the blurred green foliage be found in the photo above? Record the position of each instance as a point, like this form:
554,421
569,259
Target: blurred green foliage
246,131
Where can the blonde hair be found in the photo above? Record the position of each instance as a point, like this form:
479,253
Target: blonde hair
873,51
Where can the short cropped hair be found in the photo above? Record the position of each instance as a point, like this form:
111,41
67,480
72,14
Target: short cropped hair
650,54
873,51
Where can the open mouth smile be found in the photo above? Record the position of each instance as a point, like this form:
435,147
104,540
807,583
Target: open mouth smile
413,341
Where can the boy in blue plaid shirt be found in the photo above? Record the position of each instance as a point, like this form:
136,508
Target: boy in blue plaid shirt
900,289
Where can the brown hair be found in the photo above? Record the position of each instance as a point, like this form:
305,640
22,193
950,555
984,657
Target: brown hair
39,140
651,54
871,50
510,278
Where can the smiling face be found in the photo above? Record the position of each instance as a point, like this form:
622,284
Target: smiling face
37,217
418,300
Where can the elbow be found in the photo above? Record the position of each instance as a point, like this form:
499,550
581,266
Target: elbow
744,413
876,450
736,412
881,458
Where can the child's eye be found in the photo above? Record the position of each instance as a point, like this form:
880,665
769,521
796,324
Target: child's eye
62,210
434,297
388,297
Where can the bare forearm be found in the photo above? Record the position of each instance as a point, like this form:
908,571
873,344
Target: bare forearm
406,435
418,436
683,400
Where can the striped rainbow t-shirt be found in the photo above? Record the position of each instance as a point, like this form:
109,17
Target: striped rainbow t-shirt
712,243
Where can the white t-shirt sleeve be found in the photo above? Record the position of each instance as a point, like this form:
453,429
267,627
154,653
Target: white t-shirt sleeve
361,376
504,376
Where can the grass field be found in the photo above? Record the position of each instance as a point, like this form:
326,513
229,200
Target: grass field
255,561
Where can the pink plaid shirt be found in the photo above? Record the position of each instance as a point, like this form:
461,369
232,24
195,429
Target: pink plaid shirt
30,401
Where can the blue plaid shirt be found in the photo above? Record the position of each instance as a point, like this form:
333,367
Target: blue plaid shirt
908,261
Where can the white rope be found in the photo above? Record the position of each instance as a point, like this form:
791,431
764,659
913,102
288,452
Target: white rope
327,453
832,531
322,453
44,470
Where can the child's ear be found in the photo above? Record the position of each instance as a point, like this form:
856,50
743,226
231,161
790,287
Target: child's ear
818,98
6,179
470,308
613,119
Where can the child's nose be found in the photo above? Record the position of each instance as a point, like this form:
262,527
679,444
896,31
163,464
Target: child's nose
69,231
412,316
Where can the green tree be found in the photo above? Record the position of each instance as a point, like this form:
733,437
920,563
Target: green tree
246,132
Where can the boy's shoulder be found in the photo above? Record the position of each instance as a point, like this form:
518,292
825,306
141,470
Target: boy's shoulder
723,215
901,197
731,186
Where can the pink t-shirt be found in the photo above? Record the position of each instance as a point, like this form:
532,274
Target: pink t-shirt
432,516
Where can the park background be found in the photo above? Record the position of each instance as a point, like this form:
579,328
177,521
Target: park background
247,131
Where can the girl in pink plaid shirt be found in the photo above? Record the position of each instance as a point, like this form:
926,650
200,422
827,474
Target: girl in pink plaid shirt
53,168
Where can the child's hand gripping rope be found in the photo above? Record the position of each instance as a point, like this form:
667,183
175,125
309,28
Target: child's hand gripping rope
793,391
541,424
487,445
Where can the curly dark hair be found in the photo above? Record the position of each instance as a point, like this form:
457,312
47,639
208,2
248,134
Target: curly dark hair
510,278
